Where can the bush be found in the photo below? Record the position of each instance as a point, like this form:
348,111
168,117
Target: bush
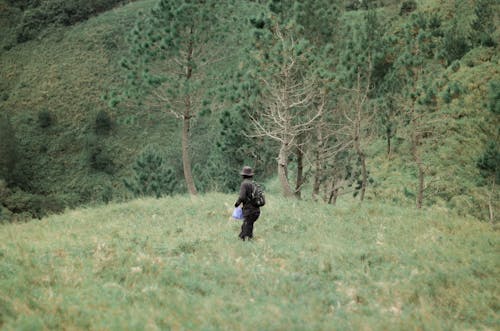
45,119
99,158
8,149
484,23
408,7
455,46
17,204
24,4
494,97
33,21
489,162
151,176
103,123
40,14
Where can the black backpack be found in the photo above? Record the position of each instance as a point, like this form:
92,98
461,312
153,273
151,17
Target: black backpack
257,199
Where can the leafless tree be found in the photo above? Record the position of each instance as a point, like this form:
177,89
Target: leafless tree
288,96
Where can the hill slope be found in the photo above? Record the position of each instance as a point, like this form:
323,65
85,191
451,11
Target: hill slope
63,76
52,87
176,263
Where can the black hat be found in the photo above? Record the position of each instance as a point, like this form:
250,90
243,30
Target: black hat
246,171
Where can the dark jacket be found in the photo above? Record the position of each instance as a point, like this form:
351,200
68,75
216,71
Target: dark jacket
246,189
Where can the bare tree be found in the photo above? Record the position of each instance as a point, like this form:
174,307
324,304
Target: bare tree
359,114
289,89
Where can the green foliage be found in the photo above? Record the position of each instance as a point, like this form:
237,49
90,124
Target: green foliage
311,266
19,205
484,23
407,7
99,157
34,77
319,20
364,52
455,43
25,205
38,15
452,91
24,4
165,38
494,97
103,123
8,148
152,176
45,119
489,162
231,152
169,66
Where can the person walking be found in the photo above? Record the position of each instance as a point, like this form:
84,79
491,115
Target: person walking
250,212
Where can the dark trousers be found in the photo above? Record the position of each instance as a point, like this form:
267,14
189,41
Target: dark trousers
247,226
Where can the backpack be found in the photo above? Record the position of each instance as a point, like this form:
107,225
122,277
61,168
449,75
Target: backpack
257,199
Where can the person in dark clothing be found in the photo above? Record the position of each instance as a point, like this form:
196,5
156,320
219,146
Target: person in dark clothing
250,212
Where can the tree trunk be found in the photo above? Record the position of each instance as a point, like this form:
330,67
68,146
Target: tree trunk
490,201
357,137
317,165
362,159
300,170
186,160
282,170
364,176
389,147
334,193
420,167
421,179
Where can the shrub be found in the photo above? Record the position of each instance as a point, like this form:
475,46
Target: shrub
455,46
24,4
24,205
99,158
489,162
40,14
151,176
33,21
484,23
494,97
408,7
8,150
45,119
103,123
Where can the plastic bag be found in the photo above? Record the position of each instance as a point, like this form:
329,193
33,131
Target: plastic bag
238,213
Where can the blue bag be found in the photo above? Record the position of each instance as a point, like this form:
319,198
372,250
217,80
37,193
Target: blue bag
238,213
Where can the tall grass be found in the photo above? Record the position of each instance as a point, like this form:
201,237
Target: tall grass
176,263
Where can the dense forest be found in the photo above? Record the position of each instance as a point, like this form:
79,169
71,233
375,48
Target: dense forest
327,99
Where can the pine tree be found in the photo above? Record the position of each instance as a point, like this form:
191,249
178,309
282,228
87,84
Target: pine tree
417,71
364,48
152,176
170,61
489,161
483,25
489,166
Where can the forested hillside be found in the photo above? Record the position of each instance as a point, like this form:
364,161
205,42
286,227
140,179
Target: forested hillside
369,100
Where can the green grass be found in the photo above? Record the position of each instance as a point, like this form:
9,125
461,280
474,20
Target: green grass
175,263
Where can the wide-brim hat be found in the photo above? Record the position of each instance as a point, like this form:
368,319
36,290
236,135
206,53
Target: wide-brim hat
246,171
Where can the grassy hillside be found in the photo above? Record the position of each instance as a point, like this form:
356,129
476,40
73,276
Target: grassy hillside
65,73
176,263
